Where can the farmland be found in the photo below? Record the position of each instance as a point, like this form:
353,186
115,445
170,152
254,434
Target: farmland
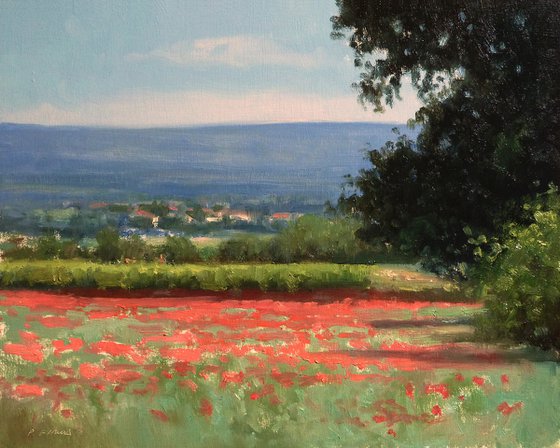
283,277
328,368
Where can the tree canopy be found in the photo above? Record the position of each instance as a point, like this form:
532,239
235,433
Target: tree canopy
487,72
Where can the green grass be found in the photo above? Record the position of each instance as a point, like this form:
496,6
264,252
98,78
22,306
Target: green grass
278,277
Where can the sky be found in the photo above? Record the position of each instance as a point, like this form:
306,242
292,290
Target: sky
140,63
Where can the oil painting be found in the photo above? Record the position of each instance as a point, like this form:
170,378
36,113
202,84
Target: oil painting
279,223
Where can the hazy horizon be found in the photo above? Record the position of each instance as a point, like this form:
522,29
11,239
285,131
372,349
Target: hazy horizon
46,163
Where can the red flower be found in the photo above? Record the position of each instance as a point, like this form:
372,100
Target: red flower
190,384
159,415
28,390
30,351
479,381
409,390
436,410
61,347
506,409
437,388
206,407
232,377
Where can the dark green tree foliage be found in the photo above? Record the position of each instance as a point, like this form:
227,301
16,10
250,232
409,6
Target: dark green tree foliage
108,245
156,207
197,213
135,248
244,248
179,250
19,253
48,247
487,72
70,250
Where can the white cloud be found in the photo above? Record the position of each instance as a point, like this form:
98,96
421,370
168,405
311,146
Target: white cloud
196,108
235,51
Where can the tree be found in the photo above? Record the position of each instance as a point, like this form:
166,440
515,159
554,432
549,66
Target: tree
179,249
48,247
157,208
487,74
108,247
135,248
315,238
244,248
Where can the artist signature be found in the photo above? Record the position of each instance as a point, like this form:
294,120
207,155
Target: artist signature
66,432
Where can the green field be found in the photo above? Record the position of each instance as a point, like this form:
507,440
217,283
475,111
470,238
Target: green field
276,277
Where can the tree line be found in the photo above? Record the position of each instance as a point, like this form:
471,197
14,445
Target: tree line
309,238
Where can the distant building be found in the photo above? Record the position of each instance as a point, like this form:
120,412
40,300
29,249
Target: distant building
281,216
145,214
284,216
97,205
239,215
214,218
212,215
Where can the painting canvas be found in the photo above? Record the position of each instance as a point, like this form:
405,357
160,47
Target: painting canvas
319,223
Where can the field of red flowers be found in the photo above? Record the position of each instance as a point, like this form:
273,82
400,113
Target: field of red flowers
329,368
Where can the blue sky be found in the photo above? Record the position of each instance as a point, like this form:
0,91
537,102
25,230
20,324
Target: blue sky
166,63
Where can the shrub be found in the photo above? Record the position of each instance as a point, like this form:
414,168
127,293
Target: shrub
520,279
316,238
135,248
208,253
59,274
48,247
108,248
19,253
180,250
243,248
71,249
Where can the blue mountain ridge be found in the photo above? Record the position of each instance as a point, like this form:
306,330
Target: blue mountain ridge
46,165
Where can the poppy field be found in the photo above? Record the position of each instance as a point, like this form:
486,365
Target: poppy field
316,369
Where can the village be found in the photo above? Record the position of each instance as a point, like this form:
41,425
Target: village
158,218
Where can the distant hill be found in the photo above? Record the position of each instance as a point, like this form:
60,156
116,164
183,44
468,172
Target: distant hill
47,165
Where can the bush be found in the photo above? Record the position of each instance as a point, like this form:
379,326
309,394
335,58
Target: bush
70,250
108,247
180,250
45,248
19,253
62,274
244,248
48,247
316,238
520,279
135,248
